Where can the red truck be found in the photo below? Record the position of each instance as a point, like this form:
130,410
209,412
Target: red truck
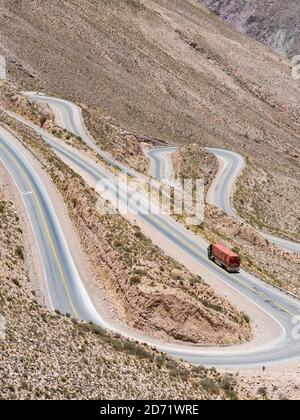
224,257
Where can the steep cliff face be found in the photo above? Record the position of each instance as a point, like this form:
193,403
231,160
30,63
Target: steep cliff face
275,23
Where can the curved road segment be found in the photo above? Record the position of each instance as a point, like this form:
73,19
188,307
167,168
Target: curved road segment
279,306
65,289
220,193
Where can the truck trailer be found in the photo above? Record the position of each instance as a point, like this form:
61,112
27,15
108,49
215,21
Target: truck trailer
224,257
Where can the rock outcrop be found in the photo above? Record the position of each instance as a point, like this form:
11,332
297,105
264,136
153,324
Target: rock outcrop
275,23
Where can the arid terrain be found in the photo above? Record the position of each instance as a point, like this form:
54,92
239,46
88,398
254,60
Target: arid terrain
275,23
81,361
193,162
152,292
102,357
48,356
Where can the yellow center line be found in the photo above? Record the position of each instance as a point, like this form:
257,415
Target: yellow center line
24,175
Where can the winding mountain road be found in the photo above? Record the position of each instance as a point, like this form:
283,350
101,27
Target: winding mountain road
279,307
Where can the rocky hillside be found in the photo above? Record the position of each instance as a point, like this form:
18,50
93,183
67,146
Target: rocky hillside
48,356
275,23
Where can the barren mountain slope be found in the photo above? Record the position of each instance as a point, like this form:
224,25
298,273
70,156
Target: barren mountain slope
275,23
48,356
172,70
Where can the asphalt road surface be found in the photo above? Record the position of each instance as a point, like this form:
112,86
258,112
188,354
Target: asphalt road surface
66,291
220,193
